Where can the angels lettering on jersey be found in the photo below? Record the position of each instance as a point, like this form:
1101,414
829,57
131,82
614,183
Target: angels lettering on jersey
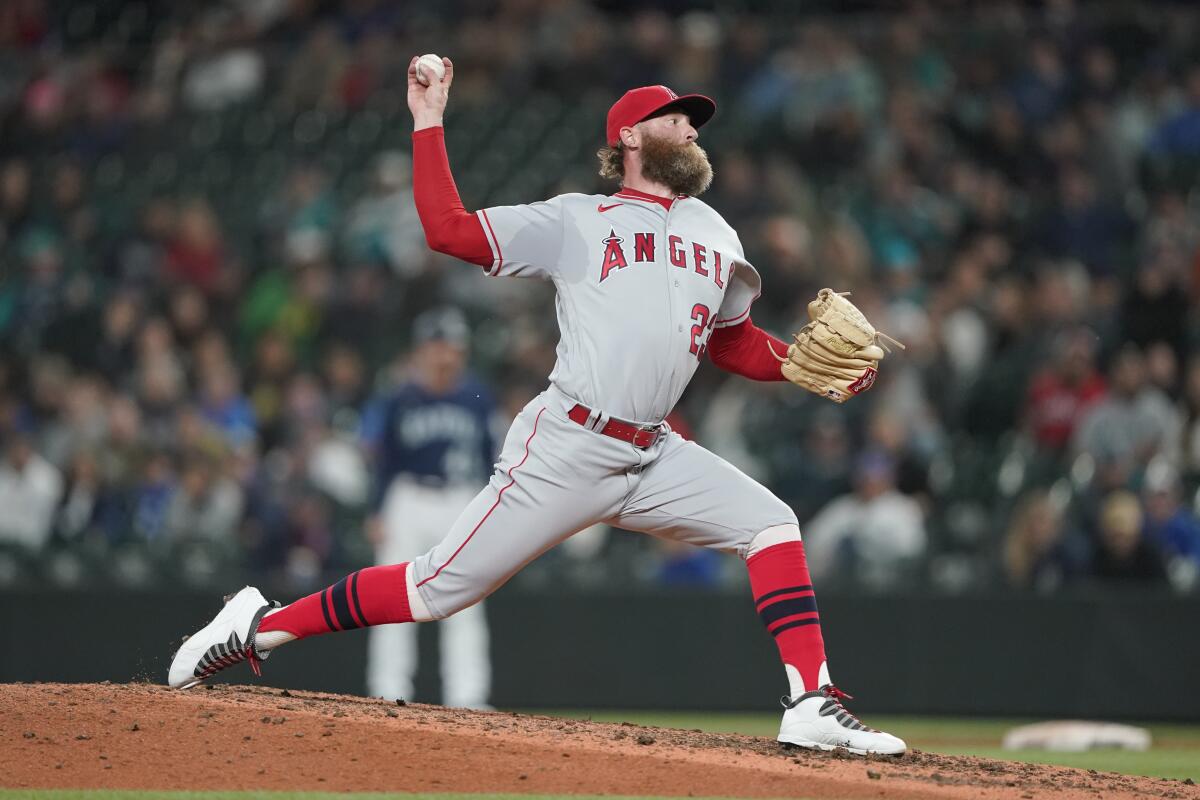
704,261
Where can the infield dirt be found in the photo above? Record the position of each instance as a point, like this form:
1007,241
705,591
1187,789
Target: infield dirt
237,737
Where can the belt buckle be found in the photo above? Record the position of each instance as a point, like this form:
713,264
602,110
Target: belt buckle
654,430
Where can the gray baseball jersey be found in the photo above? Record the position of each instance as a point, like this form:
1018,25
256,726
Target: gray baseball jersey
640,289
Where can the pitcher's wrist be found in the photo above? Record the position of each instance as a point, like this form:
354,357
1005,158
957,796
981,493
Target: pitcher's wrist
423,121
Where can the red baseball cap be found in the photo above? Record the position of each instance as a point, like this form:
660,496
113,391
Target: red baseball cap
645,101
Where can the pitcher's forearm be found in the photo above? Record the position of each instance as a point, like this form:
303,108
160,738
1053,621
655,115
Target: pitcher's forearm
449,227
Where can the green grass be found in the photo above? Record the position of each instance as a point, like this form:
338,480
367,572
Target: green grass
112,794
1175,752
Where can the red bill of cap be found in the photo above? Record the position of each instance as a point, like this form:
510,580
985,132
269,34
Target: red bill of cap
646,101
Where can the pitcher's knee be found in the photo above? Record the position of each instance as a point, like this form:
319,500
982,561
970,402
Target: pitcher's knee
770,536
444,596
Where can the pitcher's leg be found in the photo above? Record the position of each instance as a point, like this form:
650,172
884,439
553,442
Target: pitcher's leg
553,478
378,595
547,487
465,648
692,495
466,658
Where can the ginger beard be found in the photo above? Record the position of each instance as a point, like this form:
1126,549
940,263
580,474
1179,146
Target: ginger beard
682,168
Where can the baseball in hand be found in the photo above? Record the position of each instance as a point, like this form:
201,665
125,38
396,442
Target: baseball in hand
430,67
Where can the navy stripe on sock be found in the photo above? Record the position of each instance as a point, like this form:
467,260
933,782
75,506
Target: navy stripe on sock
777,592
341,606
795,624
788,608
325,609
354,594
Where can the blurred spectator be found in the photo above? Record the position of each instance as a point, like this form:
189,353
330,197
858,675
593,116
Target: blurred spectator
196,254
30,487
1179,135
1155,308
84,502
345,378
189,315
300,219
223,405
207,506
368,71
1134,423
1191,414
15,206
222,71
1040,552
819,470
114,353
382,227
1122,552
273,365
315,74
1084,226
1171,526
140,256
1042,87
150,497
876,534
1061,394
23,23
680,564
71,216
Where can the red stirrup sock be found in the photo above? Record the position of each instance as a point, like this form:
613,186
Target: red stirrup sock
371,596
783,595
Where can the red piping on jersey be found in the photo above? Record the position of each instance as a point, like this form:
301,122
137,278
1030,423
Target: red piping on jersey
739,318
499,497
495,243
742,350
634,194
449,227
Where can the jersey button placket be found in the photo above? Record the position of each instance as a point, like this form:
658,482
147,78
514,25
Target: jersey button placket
676,303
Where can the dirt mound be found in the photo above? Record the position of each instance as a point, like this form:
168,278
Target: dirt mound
237,737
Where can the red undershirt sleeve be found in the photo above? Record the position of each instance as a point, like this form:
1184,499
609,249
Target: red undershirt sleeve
449,227
745,349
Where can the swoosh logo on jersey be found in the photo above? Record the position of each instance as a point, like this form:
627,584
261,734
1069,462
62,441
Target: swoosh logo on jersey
602,208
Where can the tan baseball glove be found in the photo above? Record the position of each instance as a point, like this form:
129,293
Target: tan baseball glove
837,354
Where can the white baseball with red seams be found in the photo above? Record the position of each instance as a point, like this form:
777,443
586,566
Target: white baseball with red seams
430,67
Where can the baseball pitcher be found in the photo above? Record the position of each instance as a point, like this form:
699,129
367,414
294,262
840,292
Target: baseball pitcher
648,281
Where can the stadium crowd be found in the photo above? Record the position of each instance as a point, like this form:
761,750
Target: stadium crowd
210,256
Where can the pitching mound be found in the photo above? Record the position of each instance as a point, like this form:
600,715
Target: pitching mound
237,737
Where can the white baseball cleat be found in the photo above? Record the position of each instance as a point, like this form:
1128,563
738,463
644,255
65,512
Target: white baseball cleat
818,720
227,640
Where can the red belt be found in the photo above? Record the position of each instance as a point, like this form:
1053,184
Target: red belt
640,436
